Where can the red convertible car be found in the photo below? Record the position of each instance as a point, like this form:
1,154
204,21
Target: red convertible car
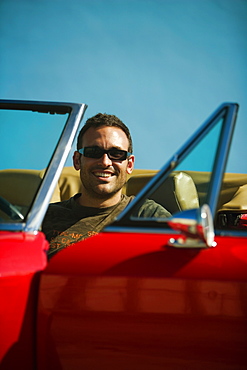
146,294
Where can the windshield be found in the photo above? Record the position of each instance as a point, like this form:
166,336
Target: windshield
187,185
27,143
194,176
28,138
36,138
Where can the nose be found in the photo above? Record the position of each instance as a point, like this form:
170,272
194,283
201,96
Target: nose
105,160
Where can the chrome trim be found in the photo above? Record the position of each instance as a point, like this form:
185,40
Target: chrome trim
227,108
158,230
195,226
187,243
12,226
138,230
221,156
54,169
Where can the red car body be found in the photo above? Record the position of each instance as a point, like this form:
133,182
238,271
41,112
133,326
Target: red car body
124,299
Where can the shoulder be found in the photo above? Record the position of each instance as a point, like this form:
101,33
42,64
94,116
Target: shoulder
152,209
59,210
65,204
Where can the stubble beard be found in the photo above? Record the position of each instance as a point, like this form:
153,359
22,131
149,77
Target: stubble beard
102,191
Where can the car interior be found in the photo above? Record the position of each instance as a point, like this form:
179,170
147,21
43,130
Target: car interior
180,191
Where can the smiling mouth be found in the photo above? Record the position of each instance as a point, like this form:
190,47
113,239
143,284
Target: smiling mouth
103,174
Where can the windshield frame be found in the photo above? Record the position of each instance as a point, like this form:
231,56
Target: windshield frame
40,203
227,112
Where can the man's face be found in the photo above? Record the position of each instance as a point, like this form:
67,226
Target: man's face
103,178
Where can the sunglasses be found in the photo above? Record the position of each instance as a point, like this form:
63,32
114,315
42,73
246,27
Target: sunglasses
95,152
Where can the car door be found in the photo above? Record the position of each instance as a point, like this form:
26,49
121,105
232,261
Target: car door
154,293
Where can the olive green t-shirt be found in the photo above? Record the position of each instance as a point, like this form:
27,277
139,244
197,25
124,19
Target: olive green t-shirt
67,222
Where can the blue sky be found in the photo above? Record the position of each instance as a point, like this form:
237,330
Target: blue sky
162,66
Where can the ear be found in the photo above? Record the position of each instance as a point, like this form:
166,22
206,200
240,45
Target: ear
130,165
76,160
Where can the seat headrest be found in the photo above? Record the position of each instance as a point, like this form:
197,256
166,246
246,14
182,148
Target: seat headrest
177,193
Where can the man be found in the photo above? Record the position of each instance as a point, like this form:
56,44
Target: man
104,158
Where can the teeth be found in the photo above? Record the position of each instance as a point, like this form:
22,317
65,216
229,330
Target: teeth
102,174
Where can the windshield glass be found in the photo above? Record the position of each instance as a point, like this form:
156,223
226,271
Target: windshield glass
28,140
187,185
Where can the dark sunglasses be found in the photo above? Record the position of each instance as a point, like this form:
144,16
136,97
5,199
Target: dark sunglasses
96,152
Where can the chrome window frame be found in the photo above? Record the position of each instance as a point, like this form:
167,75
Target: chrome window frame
58,159
228,111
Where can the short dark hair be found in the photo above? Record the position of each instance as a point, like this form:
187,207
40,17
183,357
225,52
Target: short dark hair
103,119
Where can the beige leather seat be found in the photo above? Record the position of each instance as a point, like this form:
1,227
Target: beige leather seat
19,187
177,193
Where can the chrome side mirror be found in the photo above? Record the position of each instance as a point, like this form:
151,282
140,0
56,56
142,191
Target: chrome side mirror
196,226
